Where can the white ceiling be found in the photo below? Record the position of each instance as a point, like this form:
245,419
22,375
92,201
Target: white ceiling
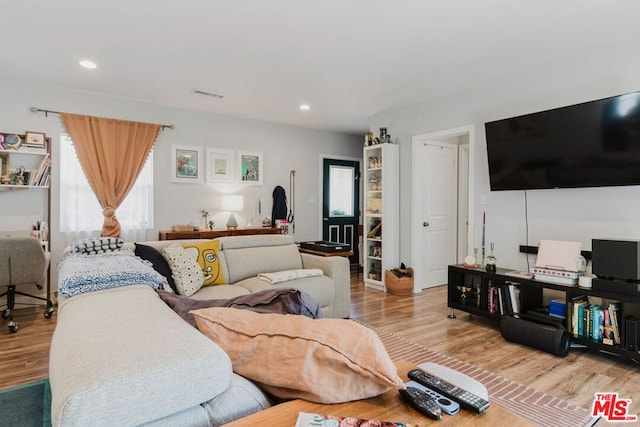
348,59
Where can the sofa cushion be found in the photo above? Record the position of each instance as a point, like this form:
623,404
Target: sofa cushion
249,262
118,357
207,255
185,271
283,300
321,360
151,254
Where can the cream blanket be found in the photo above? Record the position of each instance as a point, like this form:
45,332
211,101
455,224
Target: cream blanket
286,275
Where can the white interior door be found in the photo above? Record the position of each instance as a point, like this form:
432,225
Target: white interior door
437,210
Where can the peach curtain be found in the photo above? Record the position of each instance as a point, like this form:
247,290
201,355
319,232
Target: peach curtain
111,153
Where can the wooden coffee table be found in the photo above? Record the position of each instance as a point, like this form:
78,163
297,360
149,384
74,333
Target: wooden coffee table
387,407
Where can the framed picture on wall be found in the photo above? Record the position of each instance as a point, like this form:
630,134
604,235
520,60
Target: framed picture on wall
186,164
219,165
250,168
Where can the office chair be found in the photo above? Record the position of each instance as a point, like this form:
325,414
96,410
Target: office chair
23,261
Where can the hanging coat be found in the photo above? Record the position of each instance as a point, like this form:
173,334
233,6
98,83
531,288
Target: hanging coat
279,210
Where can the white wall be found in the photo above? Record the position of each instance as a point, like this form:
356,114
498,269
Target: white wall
564,214
284,148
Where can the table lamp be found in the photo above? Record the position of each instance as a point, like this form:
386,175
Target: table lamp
232,203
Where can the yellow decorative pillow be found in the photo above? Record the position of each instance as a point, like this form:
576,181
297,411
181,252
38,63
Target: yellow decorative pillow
292,356
206,254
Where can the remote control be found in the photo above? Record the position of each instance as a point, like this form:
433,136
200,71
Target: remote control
448,406
466,399
422,402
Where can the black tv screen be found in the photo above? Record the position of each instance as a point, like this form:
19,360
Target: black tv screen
593,144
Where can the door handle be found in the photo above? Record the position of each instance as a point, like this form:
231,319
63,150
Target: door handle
425,224
325,219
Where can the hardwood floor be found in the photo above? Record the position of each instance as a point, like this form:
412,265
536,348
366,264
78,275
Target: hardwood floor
421,318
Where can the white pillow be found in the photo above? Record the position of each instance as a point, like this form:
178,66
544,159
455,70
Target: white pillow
96,245
185,270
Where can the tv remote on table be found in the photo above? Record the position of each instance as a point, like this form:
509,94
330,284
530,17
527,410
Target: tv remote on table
422,402
447,405
466,399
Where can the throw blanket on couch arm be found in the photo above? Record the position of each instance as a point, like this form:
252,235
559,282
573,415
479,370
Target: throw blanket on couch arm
287,275
81,273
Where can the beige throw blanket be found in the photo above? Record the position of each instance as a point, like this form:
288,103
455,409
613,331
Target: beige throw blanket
286,275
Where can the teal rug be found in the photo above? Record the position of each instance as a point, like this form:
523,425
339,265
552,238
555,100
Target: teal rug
26,405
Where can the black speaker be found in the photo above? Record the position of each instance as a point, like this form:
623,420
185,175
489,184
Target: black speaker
618,259
632,333
549,338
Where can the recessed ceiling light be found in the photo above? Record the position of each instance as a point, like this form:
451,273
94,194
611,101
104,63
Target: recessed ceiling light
88,64
305,107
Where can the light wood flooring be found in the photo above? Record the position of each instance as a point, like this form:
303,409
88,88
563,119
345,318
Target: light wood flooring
421,318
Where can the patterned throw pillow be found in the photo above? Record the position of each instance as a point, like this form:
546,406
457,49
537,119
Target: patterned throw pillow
206,254
96,245
185,271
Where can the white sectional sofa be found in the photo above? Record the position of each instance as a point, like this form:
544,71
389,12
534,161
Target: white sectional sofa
122,357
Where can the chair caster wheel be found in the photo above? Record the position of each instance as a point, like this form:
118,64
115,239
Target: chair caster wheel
13,327
6,313
48,313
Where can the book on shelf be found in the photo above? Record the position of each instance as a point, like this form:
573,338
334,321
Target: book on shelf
493,298
614,314
309,419
514,297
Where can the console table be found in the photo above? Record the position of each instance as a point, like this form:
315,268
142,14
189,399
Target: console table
468,290
217,232
386,407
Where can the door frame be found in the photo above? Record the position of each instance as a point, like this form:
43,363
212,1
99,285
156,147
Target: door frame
417,196
320,189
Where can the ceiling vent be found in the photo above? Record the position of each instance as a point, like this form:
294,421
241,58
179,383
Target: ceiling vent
202,92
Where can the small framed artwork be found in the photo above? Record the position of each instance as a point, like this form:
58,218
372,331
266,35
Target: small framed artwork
250,168
186,164
219,165
35,139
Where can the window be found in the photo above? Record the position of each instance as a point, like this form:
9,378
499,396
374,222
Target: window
80,212
341,190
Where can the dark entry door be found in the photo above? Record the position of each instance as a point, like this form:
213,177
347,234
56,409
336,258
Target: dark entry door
341,201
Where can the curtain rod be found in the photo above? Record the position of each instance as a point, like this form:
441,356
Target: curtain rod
46,113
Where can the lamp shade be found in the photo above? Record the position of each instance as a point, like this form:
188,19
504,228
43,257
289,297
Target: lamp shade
232,203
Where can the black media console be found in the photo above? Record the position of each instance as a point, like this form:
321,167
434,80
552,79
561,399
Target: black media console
476,291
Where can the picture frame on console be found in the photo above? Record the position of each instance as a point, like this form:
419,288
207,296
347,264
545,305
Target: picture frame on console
220,165
186,164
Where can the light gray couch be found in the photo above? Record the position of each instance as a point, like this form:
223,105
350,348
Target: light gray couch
123,357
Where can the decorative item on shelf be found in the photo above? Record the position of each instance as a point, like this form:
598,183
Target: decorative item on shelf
12,141
35,139
205,218
383,133
283,225
470,261
375,162
232,203
463,293
211,225
180,227
368,139
266,222
491,261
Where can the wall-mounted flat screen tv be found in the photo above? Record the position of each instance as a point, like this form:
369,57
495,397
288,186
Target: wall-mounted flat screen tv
593,144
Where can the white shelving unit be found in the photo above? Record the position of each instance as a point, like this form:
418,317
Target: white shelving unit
381,213
22,204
